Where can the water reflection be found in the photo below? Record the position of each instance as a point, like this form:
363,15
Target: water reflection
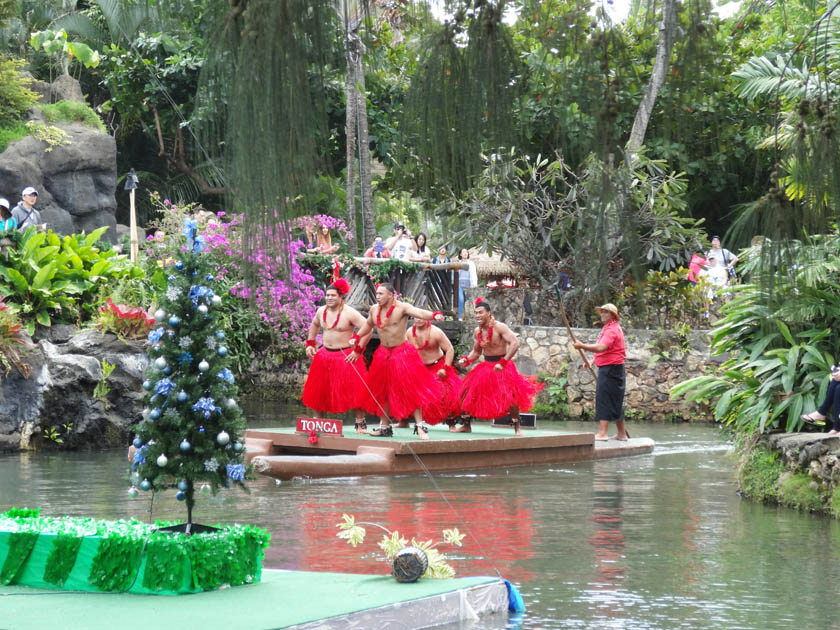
659,541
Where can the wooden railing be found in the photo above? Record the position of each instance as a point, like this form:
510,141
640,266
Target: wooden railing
434,287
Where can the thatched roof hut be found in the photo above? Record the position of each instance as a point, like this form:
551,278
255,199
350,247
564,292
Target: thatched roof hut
492,266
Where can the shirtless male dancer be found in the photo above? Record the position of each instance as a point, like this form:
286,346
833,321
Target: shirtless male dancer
437,353
335,383
495,388
397,379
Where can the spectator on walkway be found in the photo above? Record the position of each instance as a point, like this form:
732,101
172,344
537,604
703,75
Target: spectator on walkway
377,249
309,238
400,244
832,399
441,258
716,275
695,266
421,252
467,279
724,257
7,221
24,212
325,244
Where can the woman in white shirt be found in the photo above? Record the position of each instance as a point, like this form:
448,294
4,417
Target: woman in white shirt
421,252
467,279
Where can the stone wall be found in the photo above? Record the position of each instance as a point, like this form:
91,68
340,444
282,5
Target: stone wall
549,350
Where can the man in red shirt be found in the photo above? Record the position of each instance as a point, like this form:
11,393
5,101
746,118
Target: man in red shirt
609,357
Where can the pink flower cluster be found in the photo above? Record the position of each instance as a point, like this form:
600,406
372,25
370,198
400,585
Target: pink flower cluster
288,305
324,219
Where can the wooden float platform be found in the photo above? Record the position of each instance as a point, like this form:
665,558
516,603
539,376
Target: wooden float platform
283,453
300,600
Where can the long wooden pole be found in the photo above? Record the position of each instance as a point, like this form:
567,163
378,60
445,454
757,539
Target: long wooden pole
572,335
133,227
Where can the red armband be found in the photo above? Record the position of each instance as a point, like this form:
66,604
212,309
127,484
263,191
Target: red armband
354,339
436,313
466,361
311,343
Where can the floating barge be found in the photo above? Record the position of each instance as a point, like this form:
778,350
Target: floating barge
299,600
285,453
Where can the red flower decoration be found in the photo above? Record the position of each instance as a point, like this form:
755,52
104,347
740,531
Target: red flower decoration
343,286
480,298
313,437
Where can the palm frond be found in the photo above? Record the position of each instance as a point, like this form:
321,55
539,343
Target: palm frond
764,76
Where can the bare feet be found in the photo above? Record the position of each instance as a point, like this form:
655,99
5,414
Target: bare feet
517,429
620,438
403,424
464,428
601,438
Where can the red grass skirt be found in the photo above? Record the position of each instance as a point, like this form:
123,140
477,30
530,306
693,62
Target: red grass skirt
448,405
400,382
488,394
334,385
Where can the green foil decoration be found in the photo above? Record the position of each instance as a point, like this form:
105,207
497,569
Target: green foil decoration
62,558
20,546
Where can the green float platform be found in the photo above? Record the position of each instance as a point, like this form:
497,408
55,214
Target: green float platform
283,599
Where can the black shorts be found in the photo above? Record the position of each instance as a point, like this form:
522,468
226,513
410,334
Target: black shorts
609,396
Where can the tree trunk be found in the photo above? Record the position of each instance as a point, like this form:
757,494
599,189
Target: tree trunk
667,31
368,220
351,114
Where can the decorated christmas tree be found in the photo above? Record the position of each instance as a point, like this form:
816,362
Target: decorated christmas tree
192,432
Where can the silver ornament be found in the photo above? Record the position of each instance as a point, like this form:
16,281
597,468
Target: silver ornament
237,446
159,315
160,363
230,403
223,438
216,300
162,460
133,492
203,366
203,309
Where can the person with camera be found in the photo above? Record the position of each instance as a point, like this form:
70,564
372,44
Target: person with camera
724,257
377,250
832,399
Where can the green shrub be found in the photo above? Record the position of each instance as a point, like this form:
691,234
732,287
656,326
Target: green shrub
12,133
553,400
72,111
15,97
759,474
834,502
797,491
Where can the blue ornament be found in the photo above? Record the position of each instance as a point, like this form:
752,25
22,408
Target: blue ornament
174,321
154,414
137,442
180,495
182,396
220,334
185,445
179,265
222,351
209,277
147,385
201,429
167,370
237,446
183,485
132,492
145,485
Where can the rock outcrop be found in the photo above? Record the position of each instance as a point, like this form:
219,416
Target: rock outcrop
56,402
76,180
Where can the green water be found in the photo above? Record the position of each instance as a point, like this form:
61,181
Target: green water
655,541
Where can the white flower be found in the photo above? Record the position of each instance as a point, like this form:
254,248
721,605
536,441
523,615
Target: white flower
185,342
210,342
173,293
211,465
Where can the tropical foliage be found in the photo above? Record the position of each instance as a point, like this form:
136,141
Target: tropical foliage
51,278
780,344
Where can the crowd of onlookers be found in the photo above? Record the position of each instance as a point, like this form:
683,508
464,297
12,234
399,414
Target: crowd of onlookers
23,215
717,267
